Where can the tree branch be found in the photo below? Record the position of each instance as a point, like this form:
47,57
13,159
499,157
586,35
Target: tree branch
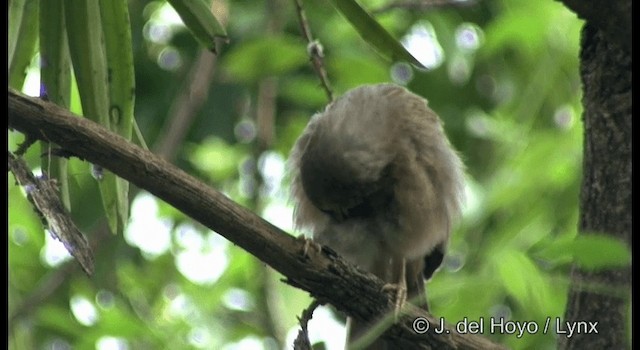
319,271
45,197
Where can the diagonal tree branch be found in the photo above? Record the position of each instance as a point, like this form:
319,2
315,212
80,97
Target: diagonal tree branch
43,193
319,271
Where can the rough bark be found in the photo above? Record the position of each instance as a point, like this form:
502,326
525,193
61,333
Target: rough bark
605,198
44,195
613,18
319,271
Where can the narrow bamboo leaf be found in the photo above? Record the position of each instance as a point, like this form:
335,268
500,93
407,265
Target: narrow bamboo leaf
86,48
119,55
110,201
55,67
374,33
139,138
55,77
22,40
84,31
197,16
16,10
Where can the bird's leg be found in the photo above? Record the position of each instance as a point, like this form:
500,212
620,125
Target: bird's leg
309,243
398,273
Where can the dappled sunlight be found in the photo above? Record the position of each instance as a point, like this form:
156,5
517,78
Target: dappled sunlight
502,75
422,43
83,310
146,230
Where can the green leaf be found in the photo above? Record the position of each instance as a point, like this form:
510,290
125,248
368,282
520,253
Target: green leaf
55,77
23,35
598,251
302,90
16,10
362,69
374,33
119,56
267,56
118,322
197,16
589,251
522,279
55,70
553,251
85,33
215,157
84,30
511,268
58,319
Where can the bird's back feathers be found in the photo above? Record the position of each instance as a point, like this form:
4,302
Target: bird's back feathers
375,178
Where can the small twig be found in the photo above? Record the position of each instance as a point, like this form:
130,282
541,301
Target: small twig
61,153
423,5
47,286
24,146
302,340
43,194
272,304
194,93
314,49
186,105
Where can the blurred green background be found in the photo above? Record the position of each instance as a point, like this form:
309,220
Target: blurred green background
502,74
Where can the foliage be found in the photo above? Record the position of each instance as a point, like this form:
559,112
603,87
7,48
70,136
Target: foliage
502,74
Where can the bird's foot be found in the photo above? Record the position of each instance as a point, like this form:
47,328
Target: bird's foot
399,297
399,266
309,244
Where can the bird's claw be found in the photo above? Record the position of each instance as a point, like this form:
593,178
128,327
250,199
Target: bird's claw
399,298
308,244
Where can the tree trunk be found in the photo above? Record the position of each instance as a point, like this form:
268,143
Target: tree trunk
600,300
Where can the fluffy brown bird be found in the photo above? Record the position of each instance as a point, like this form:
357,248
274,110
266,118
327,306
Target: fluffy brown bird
375,178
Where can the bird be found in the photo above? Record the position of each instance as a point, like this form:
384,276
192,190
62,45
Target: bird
375,178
